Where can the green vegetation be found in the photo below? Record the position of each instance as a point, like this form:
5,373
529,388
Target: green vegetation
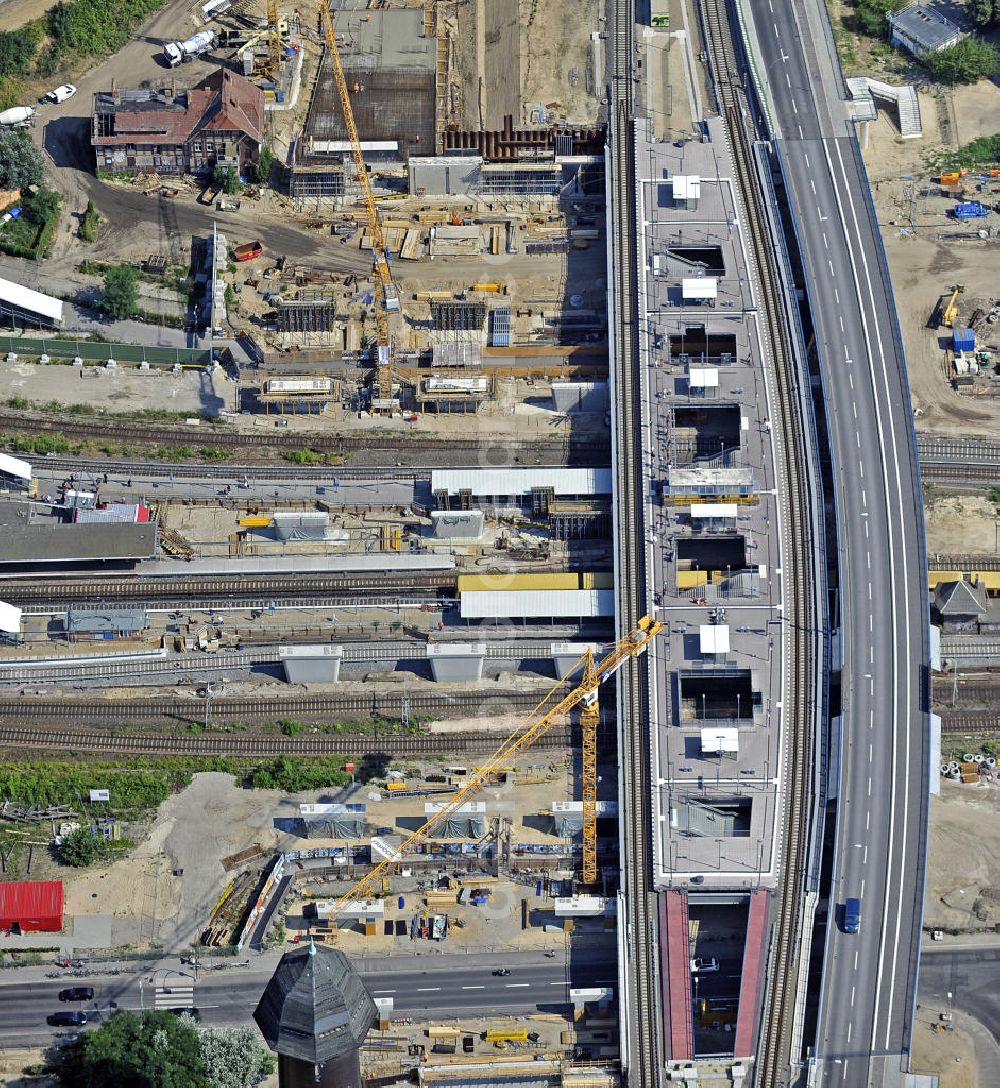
234,1057
968,61
89,223
80,848
31,235
260,172
983,12
228,178
870,17
53,783
80,28
994,497
21,163
290,774
136,1051
311,457
120,297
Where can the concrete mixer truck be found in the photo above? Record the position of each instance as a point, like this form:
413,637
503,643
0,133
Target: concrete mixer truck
17,117
176,52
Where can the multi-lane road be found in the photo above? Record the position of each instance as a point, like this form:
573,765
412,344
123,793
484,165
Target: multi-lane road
869,978
426,986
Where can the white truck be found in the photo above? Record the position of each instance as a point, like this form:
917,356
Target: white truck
17,117
176,52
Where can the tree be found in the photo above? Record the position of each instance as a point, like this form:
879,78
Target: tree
90,222
228,178
152,1050
983,12
870,17
120,297
80,848
968,61
234,1057
260,172
21,163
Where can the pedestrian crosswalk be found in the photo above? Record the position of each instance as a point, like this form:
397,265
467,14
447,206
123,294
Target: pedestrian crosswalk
174,997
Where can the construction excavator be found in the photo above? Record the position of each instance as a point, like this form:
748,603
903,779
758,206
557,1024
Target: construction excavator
583,694
946,309
386,294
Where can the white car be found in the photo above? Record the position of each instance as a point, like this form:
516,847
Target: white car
60,94
704,967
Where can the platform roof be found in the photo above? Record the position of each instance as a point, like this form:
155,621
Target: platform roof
12,466
13,294
535,604
714,638
10,619
714,510
520,481
720,740
702,377
699,287
51,541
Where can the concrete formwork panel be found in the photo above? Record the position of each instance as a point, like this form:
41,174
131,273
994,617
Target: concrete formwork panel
453,661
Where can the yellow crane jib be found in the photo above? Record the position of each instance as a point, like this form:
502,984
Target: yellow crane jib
386,294
538,722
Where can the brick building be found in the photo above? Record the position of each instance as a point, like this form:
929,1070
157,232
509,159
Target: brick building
170,131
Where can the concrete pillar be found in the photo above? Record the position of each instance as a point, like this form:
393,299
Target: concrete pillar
311,664
456,661
566,657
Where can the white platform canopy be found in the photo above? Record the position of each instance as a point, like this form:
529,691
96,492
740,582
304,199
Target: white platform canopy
700,287
714,638
10,619
720,742
12,466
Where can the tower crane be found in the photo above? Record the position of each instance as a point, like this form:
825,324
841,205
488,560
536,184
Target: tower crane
386,294
541,719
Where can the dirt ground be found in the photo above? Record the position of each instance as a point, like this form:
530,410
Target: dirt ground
969,520
963,873
512,56
951,1055
924,267
15,13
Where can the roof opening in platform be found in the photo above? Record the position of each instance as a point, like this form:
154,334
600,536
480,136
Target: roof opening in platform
718,818
705,432
707,259
712,553
722,696
719,933
696,343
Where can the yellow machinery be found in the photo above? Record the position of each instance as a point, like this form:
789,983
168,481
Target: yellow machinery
542,718
386,295
274,44
951,310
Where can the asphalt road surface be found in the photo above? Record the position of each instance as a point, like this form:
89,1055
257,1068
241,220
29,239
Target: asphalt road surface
425,986
870,977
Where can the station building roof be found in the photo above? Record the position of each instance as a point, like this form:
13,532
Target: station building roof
12,466
538,604
520,481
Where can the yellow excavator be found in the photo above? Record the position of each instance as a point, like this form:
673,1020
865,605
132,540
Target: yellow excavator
946,309
550,710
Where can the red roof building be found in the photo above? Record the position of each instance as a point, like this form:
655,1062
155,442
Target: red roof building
31,906
170,131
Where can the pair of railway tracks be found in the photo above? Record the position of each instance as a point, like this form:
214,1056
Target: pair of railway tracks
106,429
256,745
644,1030
777,1019
171,710
26,593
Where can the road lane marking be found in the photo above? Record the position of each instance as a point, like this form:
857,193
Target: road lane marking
383,991
855,959
518,985
473,987
788,79
429,989
813,184
850,1026
853,989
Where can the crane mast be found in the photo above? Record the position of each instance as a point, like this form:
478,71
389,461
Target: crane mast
386,295
541,719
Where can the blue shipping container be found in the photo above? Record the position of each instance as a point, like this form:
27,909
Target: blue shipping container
972,209
963,339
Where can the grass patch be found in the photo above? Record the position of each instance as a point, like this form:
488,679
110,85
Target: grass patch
89,223
32,233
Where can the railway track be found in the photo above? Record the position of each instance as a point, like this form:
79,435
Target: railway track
979,723
941,561
24,593
643,1049
256,745
172,711
773,1062
105,429
961,461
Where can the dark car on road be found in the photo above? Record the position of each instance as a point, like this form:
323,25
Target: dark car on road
188,1010
77,993
69,1019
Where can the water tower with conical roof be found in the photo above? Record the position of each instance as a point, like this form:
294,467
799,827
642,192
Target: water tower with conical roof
315,1014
